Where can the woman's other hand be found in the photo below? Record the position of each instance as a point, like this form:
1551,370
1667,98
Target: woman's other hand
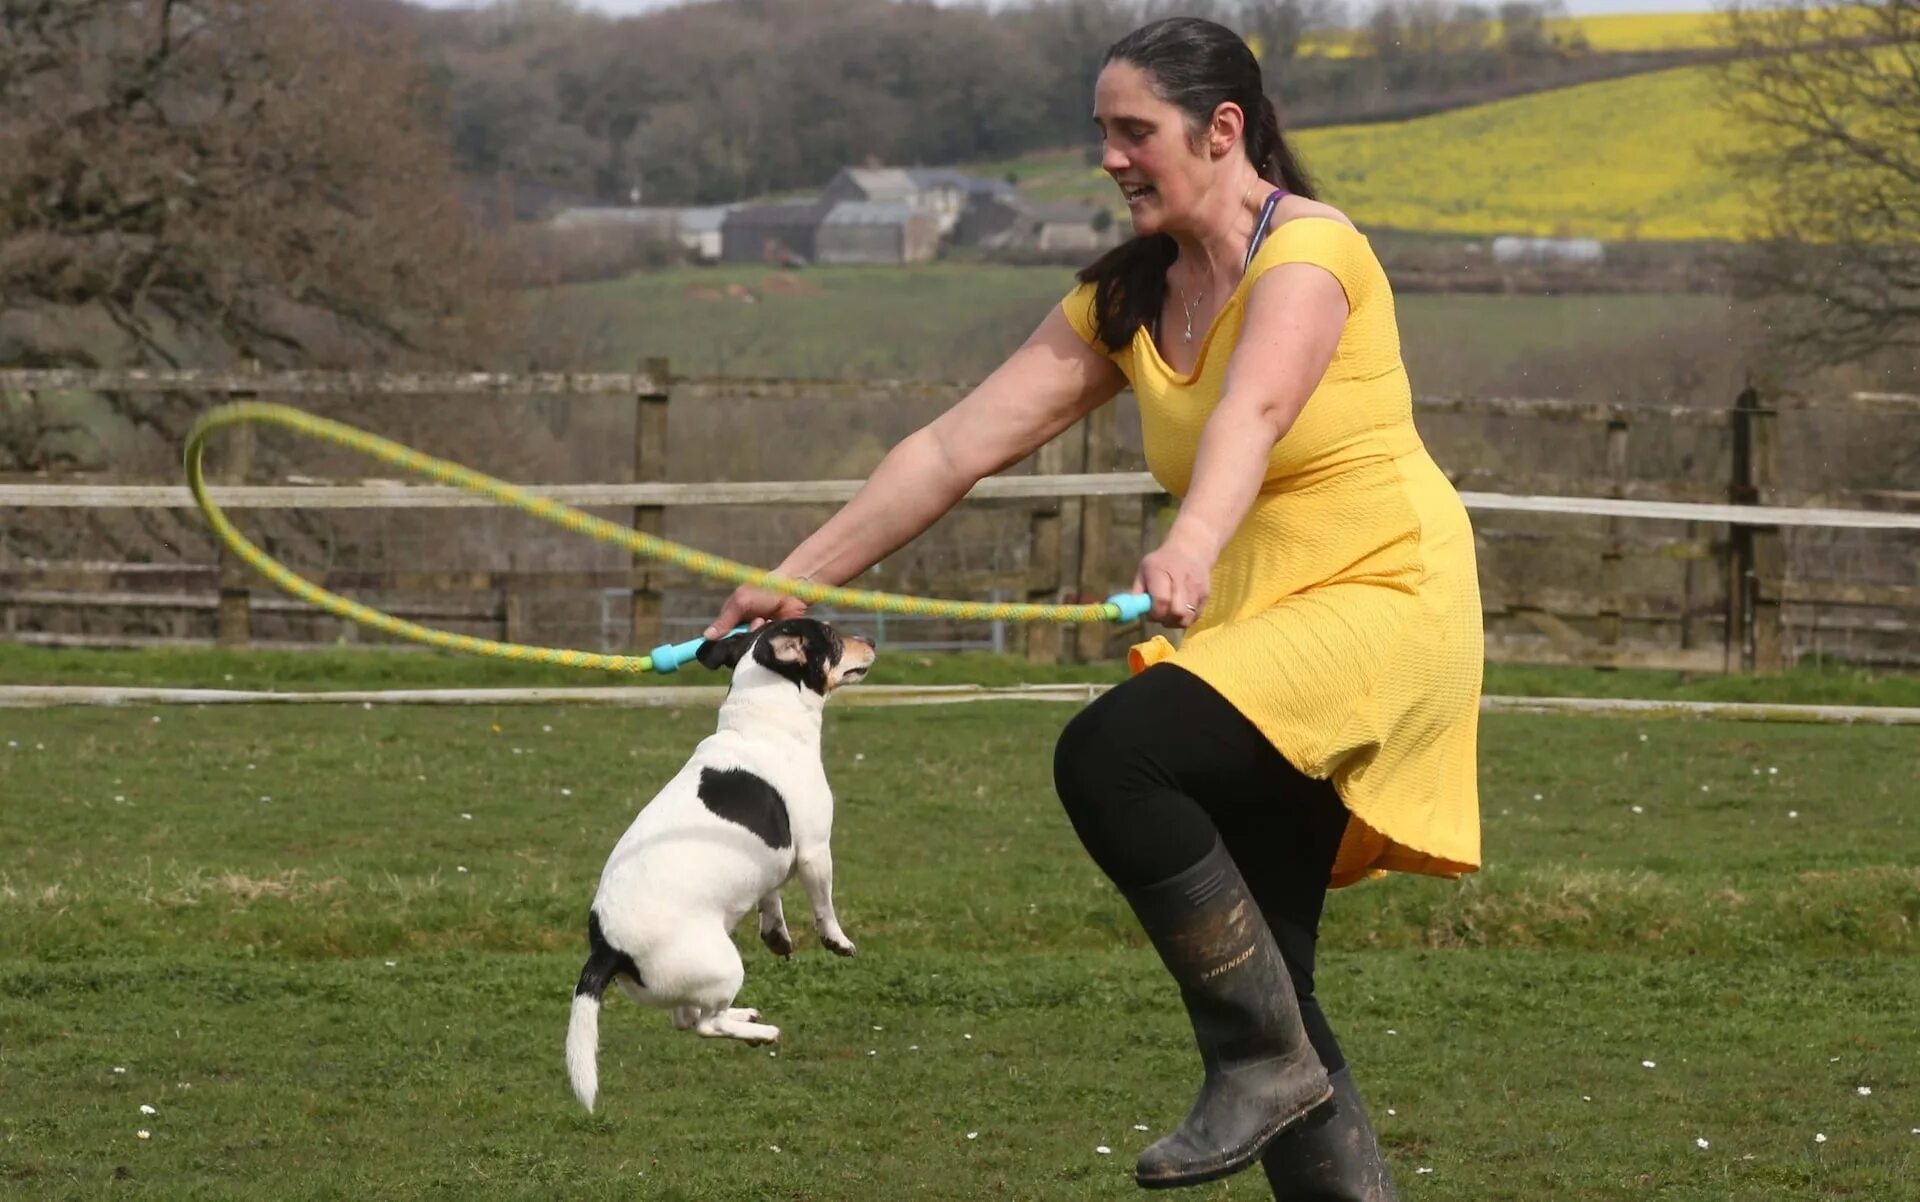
1177,576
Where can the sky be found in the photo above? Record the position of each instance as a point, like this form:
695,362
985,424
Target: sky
1578,8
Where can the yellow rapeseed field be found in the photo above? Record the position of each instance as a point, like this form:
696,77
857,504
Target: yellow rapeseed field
1612,33
1619,159
1621,32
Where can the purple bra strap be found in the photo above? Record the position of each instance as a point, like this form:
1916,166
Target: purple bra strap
1260,229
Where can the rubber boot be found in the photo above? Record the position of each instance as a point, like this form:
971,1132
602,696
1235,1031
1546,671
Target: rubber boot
1333,1157
1262,1075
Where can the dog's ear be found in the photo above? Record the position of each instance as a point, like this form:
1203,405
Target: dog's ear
723,653
788,648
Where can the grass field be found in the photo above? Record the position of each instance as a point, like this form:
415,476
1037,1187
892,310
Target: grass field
366,668
958,321
937,321
333,950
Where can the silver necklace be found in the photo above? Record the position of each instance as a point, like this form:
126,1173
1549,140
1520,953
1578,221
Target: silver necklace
1188,306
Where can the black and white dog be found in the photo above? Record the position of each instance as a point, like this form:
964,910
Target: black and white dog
747,813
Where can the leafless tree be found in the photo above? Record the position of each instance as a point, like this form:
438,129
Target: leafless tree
1826,100
205,181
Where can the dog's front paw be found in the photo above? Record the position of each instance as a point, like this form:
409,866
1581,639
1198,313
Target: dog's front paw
839,946
778,940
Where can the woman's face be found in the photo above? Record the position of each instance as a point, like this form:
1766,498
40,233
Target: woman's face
1148,149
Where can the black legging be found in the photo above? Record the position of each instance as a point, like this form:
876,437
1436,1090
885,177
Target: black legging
1156,766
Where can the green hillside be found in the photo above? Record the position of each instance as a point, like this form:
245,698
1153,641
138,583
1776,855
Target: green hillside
1625,158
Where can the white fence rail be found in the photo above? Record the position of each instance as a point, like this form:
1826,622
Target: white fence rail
381,495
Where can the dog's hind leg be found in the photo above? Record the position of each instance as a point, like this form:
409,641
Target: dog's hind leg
708,977
725,1026
773,925
686,1017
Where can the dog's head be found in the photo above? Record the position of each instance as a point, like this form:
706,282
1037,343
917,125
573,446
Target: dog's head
806,652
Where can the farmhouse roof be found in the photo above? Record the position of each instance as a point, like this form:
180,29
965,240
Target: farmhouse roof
784,215
883,183
1056,212
868,212
947,177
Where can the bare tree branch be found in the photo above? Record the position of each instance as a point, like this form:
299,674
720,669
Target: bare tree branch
1827,98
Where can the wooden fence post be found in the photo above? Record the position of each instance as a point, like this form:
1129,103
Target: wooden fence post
234,618
1769,545
1756,558
1612,552
1095,577
1740,491
1046,555
513,603
1689,591
649,464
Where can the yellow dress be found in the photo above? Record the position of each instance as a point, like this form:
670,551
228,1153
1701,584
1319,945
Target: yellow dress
1344,617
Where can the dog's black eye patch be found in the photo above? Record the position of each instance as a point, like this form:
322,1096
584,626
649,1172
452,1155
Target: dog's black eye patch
808,669
743,798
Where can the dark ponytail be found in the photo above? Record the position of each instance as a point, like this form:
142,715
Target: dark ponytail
1273,155
1196,66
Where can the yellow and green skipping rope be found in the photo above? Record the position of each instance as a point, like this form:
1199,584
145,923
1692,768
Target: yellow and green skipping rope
1122,607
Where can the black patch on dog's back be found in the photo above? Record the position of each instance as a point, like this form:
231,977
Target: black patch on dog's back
603,962
741,797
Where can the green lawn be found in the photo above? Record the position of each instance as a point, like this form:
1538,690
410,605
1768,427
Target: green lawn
936,321
333,948
958,321
371,668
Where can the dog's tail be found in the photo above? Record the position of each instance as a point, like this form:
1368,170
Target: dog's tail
583,1029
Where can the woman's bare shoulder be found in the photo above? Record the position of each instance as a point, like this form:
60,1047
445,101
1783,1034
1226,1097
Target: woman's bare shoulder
1292,208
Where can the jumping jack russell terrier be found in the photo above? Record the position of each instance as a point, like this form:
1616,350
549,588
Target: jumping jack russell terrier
747,813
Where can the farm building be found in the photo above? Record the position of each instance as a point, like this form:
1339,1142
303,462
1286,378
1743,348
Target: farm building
696,229
942,192
773,233
1012,222
869,231
699,230
1513,249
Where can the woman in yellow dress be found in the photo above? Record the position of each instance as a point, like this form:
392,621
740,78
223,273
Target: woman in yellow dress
1316,724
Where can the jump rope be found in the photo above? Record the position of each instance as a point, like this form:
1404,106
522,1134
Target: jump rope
1121,607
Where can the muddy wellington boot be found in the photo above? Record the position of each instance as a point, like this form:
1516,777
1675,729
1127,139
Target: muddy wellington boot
1262,1075
1332,1157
